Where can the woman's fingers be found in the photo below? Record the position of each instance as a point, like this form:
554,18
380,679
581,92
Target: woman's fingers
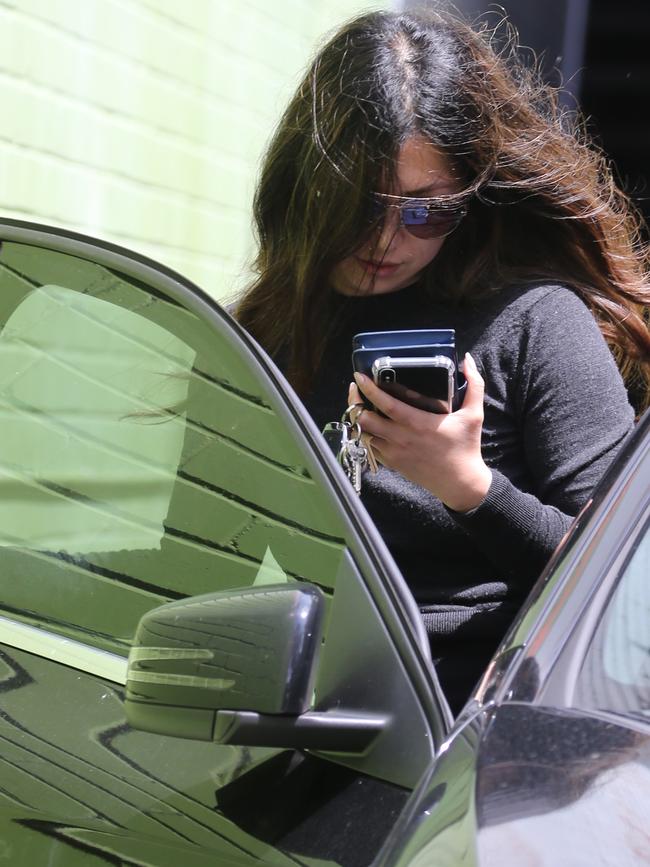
406,416
442,453
375,395
391,407
371,422
399,421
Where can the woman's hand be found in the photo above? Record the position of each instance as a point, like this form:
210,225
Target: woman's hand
439,452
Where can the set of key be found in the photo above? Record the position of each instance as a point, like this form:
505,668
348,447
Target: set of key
345,438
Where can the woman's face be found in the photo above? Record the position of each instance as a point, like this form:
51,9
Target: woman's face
394,258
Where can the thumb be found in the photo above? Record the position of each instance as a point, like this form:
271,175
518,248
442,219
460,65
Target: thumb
475,385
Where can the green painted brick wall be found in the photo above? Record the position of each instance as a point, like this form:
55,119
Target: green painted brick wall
143,121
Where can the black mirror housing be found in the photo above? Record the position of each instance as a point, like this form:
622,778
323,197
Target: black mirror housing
254,650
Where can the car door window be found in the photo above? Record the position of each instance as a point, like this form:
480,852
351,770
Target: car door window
137,465
148,456
615,675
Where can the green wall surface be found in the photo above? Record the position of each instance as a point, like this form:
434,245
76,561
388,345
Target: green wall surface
143,121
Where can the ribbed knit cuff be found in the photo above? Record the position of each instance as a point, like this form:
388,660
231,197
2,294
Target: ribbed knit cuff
513,528
503,504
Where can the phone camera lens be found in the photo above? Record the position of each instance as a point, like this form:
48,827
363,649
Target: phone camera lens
387,376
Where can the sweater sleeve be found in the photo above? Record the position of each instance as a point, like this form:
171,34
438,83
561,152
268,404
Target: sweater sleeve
573,414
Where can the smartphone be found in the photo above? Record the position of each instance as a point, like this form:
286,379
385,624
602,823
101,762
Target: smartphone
416,366
426,382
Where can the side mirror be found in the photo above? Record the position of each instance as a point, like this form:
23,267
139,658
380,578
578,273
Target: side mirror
239,667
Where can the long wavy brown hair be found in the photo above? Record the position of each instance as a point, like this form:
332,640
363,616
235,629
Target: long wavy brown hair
542,200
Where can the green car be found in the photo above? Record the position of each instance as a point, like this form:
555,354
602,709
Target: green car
207,653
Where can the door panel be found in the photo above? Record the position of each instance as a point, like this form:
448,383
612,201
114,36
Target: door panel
81,761
148,456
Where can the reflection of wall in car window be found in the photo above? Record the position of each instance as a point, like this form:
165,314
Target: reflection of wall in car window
226,481
84,467
626,651
616,672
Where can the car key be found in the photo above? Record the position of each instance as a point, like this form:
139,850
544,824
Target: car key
345,440
353,458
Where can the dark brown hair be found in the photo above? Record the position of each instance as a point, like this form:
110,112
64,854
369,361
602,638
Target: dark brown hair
543,203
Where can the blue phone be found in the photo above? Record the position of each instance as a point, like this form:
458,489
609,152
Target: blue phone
409,337
419,367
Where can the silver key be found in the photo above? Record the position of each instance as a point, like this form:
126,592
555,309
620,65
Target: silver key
353,458
344,439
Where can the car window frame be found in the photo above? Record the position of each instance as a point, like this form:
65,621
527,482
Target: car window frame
374,562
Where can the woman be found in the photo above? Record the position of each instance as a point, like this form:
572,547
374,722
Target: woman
527,249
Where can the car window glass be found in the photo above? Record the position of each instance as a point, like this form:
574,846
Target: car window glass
616,671
142,460
100,379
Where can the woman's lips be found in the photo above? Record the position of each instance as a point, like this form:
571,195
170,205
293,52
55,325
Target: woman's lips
378,269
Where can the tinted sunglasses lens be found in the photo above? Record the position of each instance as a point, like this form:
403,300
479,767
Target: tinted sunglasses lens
430,222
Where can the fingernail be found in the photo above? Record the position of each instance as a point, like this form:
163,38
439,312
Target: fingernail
360,378
469,358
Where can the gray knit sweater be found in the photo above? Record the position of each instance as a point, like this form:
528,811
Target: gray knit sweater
556,411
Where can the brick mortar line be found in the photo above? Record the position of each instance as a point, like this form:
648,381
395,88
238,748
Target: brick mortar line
218,212
194,147
122,116
93,45
285,23
132,181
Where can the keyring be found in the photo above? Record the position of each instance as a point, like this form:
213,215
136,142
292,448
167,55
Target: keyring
355,431
354,420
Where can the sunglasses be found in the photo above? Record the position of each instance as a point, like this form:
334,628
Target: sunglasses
422,219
